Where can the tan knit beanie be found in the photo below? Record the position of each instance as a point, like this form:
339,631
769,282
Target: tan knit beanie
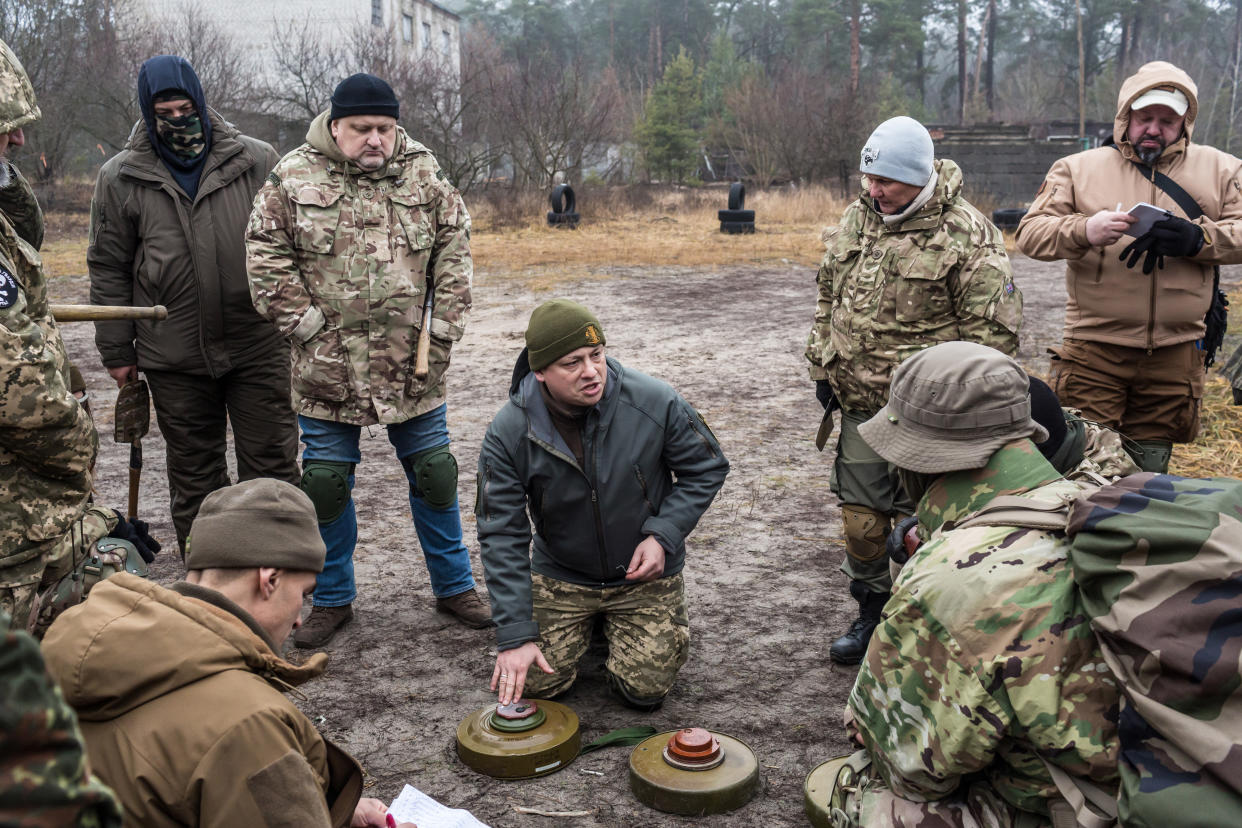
260,522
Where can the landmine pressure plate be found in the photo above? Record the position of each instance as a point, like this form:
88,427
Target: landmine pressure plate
519,740
693,771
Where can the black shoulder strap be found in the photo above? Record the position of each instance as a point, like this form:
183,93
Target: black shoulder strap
1174,190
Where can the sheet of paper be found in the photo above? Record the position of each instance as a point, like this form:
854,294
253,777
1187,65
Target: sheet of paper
412,805
1147,215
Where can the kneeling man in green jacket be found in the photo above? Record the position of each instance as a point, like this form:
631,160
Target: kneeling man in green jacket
615,469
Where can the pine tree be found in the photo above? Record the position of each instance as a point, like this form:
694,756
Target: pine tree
668,134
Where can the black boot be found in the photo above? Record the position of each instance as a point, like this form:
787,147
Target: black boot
850,648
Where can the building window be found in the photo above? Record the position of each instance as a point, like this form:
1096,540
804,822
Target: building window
377,12
407,28
446,41
426,36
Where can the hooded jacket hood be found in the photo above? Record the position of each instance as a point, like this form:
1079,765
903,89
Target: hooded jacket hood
98,674
163,73
319,136
1149,76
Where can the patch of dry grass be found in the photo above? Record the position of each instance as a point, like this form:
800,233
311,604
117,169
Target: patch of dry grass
1218,450
671,227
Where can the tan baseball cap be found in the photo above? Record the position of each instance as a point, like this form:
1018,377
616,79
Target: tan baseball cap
952,407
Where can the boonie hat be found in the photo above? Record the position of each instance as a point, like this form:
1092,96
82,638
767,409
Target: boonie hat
1173,98
951,407
261,522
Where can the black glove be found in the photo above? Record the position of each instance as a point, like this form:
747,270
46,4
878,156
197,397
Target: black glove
1168,237
895,544
826,396
136,532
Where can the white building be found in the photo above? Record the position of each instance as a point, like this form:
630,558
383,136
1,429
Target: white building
428,29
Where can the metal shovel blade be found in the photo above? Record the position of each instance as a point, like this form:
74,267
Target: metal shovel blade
133,412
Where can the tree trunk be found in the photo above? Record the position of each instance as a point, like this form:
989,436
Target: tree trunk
1082,74
1237,59
989,75
961,61
855,48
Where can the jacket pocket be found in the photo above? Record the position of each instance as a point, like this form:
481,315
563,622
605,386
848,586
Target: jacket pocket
922,292
414,211
438,354
321,367
316,219
642,485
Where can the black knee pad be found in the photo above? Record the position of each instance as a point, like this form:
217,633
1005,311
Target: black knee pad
435,476
326,483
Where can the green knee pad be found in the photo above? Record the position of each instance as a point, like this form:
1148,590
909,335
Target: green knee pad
1153,455
435,475
326,483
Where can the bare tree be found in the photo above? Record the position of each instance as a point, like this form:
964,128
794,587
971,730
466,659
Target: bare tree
306,67
555,119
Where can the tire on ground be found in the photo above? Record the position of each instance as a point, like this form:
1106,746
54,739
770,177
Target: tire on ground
563,219
1007,218
737,227
736,215
562,199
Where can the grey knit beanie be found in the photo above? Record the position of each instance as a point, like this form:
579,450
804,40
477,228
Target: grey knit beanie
261,522
900,149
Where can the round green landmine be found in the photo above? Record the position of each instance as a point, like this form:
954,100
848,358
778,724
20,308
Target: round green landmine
546,747
725,787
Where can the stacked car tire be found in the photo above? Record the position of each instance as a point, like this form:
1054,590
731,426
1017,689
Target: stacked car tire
737,219
563,205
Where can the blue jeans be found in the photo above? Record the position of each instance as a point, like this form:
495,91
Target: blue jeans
439,530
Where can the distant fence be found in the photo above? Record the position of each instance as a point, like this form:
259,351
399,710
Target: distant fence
1002,161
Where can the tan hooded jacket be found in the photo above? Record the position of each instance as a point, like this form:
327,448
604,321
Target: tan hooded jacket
180,696
1109,302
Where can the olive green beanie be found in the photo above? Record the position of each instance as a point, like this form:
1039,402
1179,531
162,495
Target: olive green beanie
261,522
557,327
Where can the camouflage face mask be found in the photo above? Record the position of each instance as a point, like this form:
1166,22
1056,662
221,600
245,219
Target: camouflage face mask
183,135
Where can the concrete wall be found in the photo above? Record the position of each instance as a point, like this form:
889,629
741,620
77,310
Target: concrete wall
1002,163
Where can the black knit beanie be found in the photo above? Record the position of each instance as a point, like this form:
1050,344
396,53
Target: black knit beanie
363,94
557,327
1046,410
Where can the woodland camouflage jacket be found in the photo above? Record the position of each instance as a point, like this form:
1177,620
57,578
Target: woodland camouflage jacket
44,780
984,660
339,259
887,292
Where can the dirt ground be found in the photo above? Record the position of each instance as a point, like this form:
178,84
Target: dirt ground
766,598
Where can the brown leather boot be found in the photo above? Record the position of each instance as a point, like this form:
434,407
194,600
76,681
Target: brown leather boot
321,625
468,608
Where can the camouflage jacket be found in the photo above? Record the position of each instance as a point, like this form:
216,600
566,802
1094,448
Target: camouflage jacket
887,292
1092,452
44,781
47,440
984,660
339,260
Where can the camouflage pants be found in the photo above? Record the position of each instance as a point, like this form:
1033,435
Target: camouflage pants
647,627
868,803
20,582
864,478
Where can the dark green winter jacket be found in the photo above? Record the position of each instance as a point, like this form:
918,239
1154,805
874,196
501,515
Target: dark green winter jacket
653,468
